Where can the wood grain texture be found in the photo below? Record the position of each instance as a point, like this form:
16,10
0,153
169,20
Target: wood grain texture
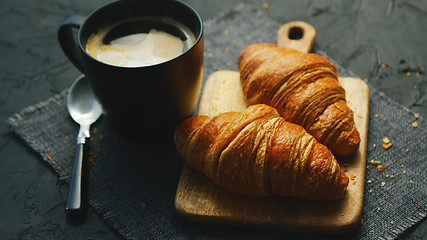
198,199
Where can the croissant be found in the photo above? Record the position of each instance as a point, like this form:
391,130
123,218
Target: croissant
257,153
304,88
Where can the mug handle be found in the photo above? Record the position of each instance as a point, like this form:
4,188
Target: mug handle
68,41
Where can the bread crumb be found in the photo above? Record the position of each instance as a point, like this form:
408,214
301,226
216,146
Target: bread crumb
49,158
408,73
370,190
375,162
265,5
391,176
382,184
392,222
404,172
369,181
387,175
416,115
377,115
386,143
414,124
411,181
383,65
361,221
380,168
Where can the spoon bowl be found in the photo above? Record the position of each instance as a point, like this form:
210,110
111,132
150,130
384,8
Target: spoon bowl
81,103
85,110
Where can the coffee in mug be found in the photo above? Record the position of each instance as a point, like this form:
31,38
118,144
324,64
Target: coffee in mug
145,88
139,42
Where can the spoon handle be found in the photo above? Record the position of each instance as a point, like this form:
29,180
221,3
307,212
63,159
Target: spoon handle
74,202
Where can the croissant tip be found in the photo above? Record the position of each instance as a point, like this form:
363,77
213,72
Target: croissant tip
351,146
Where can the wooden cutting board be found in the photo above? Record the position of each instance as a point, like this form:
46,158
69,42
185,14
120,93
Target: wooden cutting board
198,199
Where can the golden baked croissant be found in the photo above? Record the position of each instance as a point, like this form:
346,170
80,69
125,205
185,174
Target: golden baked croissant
304,89
258,153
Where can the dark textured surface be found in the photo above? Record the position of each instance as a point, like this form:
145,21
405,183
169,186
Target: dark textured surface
360,35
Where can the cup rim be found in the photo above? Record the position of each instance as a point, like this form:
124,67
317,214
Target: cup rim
101,8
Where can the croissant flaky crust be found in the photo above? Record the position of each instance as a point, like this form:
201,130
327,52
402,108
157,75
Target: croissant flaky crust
304,88
258,153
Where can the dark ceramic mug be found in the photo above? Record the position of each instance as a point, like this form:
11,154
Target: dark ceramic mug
141,103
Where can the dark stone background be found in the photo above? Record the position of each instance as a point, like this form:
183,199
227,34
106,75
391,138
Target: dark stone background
360,35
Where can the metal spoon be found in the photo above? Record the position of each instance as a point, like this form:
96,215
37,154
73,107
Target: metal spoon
85,110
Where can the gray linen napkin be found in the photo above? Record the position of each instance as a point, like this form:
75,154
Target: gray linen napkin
133,186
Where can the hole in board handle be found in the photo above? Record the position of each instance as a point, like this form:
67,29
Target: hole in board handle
296,33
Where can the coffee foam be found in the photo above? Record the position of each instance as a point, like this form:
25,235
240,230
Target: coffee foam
135,50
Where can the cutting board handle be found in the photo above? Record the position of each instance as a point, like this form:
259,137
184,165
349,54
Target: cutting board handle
298,35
